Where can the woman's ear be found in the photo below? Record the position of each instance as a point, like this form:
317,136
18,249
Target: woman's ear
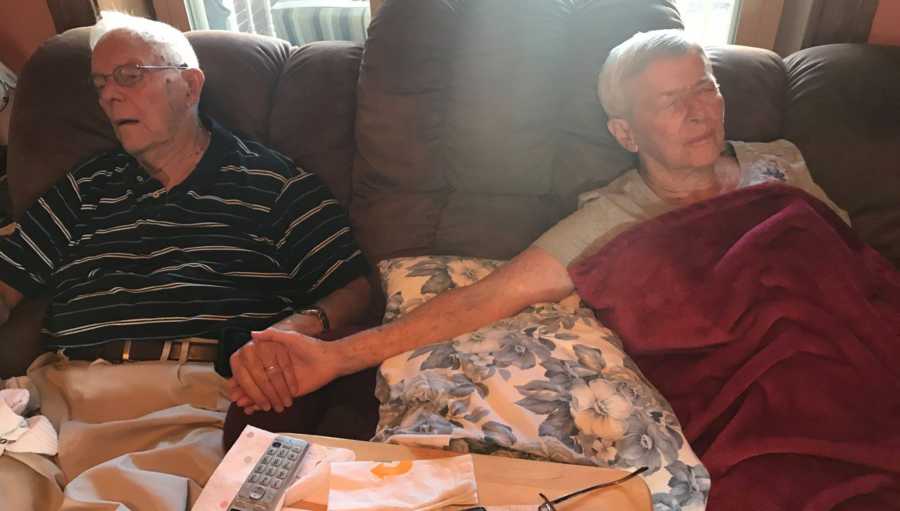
621,130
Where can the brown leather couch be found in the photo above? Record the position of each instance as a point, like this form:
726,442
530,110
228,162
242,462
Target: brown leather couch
469,127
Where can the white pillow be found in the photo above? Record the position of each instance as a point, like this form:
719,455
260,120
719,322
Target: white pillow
548,383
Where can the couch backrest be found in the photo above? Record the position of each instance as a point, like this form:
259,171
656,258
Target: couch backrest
301,101
843,111
472,125
479,122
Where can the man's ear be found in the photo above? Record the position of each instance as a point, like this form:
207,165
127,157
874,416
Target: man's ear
621,129
195,80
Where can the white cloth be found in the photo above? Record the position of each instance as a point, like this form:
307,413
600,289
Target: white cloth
403,485
225,482
328,479
21,435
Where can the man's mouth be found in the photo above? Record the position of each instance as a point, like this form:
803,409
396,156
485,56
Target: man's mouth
118,123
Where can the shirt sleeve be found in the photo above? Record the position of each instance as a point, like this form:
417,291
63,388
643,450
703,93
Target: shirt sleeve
586,230
313,237
36,245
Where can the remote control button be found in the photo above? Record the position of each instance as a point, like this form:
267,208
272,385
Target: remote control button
273,451
283,452
270,471
257,493
259,468
276,484
267,460
282,474
254,478
291,456
276,444
276,462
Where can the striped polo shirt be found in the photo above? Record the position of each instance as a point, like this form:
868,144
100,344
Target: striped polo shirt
244,240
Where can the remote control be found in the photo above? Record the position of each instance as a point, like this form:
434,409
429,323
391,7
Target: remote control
273,473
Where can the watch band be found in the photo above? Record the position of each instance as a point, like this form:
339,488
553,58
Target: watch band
319,312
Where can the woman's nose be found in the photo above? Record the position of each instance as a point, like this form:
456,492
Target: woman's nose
694,108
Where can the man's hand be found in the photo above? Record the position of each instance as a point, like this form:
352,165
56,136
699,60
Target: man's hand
311,365
4,311
263,376
9,298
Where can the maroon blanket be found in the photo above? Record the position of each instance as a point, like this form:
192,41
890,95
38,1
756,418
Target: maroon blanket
775,334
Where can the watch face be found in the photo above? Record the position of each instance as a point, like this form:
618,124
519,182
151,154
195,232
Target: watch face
319,313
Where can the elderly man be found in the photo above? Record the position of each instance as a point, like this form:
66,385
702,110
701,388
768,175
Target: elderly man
152,250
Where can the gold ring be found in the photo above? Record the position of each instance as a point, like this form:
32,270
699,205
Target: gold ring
272,369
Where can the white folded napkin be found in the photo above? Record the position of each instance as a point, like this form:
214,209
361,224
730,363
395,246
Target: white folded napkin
18,434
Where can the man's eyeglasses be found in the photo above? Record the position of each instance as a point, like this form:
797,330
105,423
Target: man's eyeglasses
128,75
549,505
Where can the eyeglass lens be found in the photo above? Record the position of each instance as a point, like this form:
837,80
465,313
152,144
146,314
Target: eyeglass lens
125,75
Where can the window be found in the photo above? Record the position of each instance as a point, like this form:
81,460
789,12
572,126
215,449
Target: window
297,21
710,21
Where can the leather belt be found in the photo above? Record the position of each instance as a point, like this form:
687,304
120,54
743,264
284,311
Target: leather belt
192,349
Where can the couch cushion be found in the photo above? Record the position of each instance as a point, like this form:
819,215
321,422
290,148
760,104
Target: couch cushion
753,82
844,114
479,123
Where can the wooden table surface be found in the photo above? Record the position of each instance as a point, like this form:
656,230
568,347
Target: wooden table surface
510,481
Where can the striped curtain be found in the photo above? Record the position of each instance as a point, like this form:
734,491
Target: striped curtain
298,21
254,16
304,21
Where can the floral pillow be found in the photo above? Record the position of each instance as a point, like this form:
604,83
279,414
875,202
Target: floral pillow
549,383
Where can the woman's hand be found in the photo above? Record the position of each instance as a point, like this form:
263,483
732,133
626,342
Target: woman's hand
262,377
310,365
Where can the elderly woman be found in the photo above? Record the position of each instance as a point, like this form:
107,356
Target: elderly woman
664,105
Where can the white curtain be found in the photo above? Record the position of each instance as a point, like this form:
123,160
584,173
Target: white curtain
254,16
298,21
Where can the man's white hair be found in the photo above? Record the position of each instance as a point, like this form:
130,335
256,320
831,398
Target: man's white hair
628,59
169,42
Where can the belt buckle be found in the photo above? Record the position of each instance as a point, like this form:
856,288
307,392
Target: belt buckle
126,351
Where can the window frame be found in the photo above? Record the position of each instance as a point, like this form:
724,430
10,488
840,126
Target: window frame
757,23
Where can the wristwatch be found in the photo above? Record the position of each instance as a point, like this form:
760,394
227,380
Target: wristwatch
319,312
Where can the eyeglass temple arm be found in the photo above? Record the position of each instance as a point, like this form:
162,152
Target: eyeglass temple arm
596,486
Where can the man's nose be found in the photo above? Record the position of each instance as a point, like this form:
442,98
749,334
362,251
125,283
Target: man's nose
110,91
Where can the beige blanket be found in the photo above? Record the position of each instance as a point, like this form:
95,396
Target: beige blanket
136,436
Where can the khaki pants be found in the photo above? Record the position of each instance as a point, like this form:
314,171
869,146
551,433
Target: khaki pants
135,436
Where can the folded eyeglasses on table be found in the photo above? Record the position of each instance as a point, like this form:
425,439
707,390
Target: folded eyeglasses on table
550,504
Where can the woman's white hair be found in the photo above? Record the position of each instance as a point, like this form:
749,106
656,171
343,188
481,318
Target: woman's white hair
169,42
628,59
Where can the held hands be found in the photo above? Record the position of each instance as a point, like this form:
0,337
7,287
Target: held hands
278,365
